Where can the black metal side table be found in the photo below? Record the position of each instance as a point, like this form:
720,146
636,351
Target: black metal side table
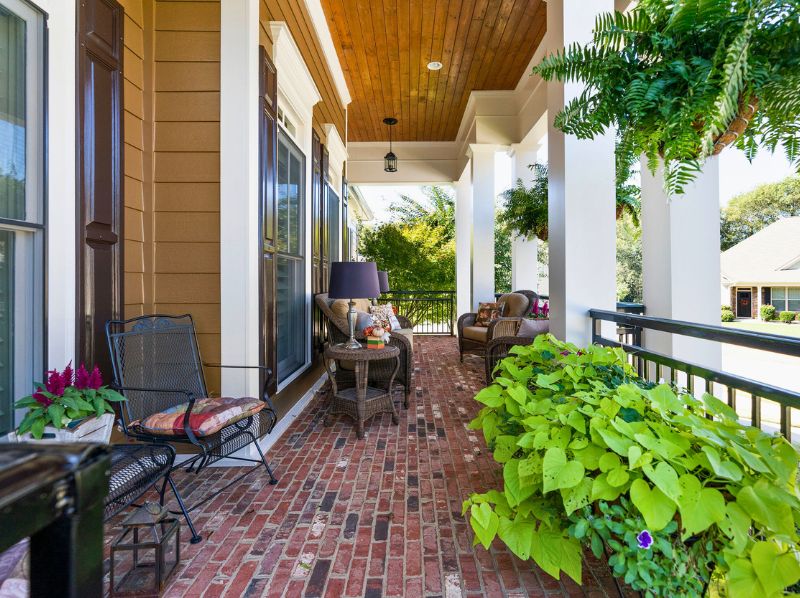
351,393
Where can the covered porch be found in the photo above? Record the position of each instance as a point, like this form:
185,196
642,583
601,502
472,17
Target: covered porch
216,170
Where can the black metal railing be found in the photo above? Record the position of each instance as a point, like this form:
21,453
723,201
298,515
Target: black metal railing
657,366
431,312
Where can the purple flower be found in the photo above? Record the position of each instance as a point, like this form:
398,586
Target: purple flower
535,310
95,379
644,539
82,378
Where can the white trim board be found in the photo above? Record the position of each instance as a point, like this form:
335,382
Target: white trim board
268,441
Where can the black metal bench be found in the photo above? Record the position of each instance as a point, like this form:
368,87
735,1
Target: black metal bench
135,468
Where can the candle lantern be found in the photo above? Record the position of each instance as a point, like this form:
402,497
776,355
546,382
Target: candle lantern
146,552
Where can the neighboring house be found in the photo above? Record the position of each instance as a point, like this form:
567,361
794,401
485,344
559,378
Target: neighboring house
764,269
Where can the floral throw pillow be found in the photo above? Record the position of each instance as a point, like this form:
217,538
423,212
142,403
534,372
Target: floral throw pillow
486,313
383,316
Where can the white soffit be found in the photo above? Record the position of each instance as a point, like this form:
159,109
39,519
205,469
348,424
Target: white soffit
331,57
294,78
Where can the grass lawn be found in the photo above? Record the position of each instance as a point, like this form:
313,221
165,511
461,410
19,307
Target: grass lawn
768,327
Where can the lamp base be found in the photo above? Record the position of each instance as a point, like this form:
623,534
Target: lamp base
350,344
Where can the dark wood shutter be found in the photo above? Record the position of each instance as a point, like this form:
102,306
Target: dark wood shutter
317,236
267,191
99,177
325,222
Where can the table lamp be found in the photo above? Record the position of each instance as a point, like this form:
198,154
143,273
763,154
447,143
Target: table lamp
383,281
353,280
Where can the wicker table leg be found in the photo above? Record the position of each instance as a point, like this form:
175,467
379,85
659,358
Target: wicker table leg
362,376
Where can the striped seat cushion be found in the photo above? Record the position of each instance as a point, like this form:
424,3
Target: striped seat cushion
208,416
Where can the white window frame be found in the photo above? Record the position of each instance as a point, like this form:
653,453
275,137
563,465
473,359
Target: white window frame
28,333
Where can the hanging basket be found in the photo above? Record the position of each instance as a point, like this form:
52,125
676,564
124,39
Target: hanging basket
747,109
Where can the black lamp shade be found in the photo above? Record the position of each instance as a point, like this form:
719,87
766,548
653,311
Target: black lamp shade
383,280
390,162
354,280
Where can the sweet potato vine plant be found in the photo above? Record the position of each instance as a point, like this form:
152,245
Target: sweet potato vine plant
680,497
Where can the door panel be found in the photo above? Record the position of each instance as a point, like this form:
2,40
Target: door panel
268,152
99,176
743,307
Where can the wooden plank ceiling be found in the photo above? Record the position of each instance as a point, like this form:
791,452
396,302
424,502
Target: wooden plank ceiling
384,47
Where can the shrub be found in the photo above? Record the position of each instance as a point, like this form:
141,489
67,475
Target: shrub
787,316
680,494
767,313
727,314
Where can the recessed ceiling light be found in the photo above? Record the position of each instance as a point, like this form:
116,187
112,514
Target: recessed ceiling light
434,66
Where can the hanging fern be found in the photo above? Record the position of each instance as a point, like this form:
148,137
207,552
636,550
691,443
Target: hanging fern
682,79
525,208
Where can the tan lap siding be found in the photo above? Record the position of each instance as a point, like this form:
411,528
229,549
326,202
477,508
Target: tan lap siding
186,167
133,65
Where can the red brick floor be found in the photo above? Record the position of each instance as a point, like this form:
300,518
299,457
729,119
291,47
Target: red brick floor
374,517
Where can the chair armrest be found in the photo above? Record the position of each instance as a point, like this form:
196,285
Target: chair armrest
189,395
464,320
405,322
498,348
503,327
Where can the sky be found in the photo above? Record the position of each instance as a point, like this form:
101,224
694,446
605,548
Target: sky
737,176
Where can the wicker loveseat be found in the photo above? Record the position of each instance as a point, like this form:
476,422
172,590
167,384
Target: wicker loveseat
379,371
474,339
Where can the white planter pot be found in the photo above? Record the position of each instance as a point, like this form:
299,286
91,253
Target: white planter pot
91,429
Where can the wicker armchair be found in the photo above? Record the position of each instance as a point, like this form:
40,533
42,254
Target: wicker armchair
379,371
498,348
474,339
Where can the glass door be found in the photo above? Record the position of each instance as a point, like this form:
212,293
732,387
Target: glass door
292,337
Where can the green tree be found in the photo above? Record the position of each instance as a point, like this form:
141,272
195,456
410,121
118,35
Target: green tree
502,256
417,246
629,260
748,213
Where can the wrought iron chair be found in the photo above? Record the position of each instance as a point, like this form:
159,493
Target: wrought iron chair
157,366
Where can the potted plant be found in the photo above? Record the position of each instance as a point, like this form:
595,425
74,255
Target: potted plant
525,209
680,497
69,407
682,80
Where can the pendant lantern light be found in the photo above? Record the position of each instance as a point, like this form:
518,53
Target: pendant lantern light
390,160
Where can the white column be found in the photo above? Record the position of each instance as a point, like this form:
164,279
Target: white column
582,225
680,261
463,189
239,195
483,198
61,196
524,264
524,251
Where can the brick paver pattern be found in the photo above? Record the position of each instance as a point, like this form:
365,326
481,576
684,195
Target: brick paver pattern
374,517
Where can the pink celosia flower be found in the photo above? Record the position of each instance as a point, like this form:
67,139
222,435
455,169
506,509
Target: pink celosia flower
55,383
82,378
40,398
95,379
66,375
546,309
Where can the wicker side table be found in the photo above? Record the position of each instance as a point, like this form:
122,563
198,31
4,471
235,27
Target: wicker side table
360,401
